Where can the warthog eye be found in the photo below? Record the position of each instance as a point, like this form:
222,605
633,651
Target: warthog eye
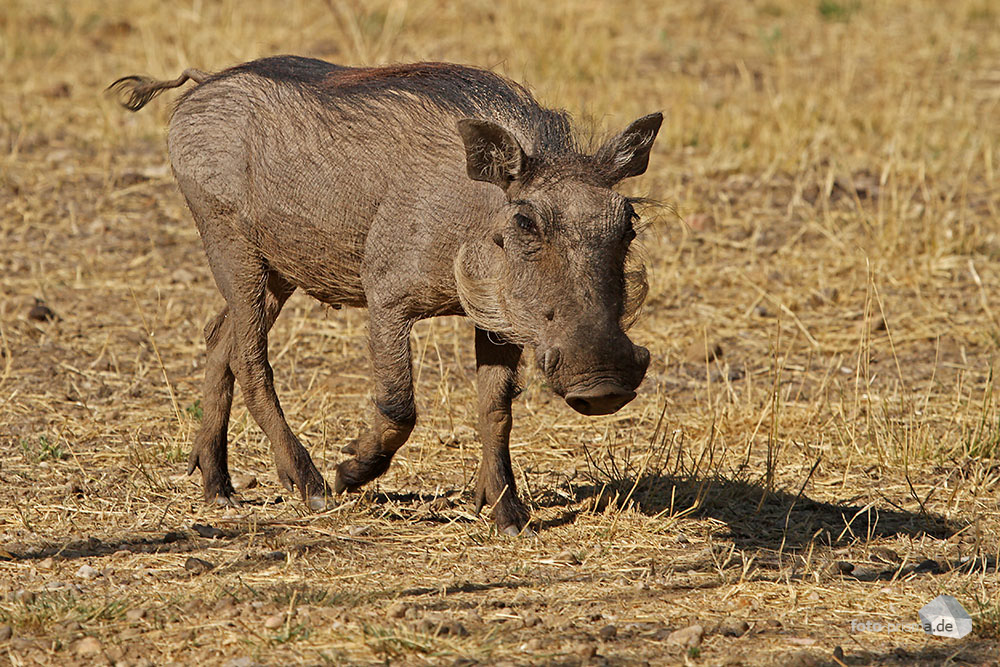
525,224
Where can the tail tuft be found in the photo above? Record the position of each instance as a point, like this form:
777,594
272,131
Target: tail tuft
135,91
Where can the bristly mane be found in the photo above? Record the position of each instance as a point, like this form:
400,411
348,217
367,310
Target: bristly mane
467,91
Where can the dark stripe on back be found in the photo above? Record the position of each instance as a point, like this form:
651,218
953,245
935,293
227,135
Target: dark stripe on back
467,91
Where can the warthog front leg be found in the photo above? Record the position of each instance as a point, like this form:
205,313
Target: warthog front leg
496,376
395,410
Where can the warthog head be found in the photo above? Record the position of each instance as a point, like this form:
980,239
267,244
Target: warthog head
555,272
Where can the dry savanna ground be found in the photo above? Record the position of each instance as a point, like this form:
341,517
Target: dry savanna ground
830,237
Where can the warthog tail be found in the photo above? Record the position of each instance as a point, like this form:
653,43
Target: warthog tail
135,91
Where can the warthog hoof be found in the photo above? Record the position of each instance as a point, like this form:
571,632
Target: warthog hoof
352,474
224,501
514,531
320,503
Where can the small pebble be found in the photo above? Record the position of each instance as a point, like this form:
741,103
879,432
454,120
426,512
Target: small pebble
434,624
886,554
358,531
772,625
182,276
245,661
687,637
24,596
730,373
601,501
838,654
46,564
799,659
568,557
455,629
135,615
197,565
194,606
700,352
439,504
733,627
88,646
866,573
211,532
274,622
800,641
397,610
823,296
701,222
6,632
532,645
59,586
21,644
608,632
244,482
41,312
224,603
531,620
87,572
844,567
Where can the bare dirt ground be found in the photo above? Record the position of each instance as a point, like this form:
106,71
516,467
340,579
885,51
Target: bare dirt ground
831,238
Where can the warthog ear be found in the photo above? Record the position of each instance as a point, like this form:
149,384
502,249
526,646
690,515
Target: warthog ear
627,154
492,154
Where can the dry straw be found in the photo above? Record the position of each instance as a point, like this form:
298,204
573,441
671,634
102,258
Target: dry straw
816,441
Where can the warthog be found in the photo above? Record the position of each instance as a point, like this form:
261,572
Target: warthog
415,191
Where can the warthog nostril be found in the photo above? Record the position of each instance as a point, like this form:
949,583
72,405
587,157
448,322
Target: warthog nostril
550,360
601,400
642,357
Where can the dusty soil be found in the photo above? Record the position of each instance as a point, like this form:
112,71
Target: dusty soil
829,236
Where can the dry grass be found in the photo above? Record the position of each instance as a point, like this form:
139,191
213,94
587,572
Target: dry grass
834,167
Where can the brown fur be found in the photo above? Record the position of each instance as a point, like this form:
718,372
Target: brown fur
415,191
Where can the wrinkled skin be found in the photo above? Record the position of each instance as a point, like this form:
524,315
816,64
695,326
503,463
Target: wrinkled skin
415,191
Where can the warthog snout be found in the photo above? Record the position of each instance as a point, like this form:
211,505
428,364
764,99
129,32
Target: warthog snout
604,399
600,393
